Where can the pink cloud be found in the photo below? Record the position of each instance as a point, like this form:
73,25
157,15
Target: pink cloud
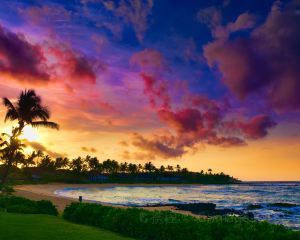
67,64
257,127
267,62
156,90
20,59
149,60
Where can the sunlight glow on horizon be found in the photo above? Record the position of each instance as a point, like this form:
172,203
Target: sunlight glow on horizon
30,134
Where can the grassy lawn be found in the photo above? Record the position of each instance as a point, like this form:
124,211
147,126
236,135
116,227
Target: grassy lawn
44,227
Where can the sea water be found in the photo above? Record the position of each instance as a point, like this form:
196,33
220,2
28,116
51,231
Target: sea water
237,196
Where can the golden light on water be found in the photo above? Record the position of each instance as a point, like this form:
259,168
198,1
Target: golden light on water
30,134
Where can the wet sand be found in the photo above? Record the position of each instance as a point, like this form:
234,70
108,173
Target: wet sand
46,192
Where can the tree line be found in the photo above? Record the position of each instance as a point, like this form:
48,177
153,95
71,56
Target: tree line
92,164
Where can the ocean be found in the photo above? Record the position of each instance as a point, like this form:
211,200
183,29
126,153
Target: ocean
236,196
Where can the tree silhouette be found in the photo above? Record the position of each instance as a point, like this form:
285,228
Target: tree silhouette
149,167
162,168
10,152
93,164
47,163
28,110
132,168
61,162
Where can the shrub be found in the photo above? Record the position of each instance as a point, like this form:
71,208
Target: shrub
24,205
21,209
167,225
46,207
7,189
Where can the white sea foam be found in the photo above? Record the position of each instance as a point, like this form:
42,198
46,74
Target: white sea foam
224,196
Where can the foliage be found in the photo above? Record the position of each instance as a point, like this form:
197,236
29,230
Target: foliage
45,227
6,189
28,110
167,225
23,205
87,169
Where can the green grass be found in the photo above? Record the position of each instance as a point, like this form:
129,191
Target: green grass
44,227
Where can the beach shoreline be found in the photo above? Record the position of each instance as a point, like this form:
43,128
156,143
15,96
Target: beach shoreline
47,192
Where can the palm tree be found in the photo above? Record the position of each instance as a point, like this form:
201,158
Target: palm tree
29,160
140,168
93,163
28,110
10,152
61,162
132,168
123,167
149,167
170,168
47,163
162,169
78,165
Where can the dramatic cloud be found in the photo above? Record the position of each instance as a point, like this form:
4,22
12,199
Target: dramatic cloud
186,120
39,147
44,63
69,65
257,127
20,59
157,91
162,146
268,61
197,120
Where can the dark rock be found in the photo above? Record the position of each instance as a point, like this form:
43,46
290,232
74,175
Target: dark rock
197,208
285,205
254,206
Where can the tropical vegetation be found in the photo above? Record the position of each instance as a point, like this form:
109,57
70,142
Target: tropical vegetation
90,169
167,225
27,111
14,204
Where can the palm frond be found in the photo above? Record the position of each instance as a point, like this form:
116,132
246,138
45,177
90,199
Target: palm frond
40,113
7,103
46,124
11,114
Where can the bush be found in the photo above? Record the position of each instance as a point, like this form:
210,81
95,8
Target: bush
46,207
7,189
21,209
167,225
24,205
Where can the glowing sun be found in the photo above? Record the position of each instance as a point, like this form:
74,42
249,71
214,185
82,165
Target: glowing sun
30,133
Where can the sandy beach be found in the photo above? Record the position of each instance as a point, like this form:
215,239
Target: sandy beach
46,192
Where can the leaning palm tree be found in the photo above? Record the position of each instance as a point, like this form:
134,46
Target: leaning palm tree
28,110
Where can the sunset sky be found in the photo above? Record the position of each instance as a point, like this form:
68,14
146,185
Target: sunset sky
204,84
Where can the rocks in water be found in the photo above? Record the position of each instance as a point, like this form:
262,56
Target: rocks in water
284,205
197,208
210,210
254,206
